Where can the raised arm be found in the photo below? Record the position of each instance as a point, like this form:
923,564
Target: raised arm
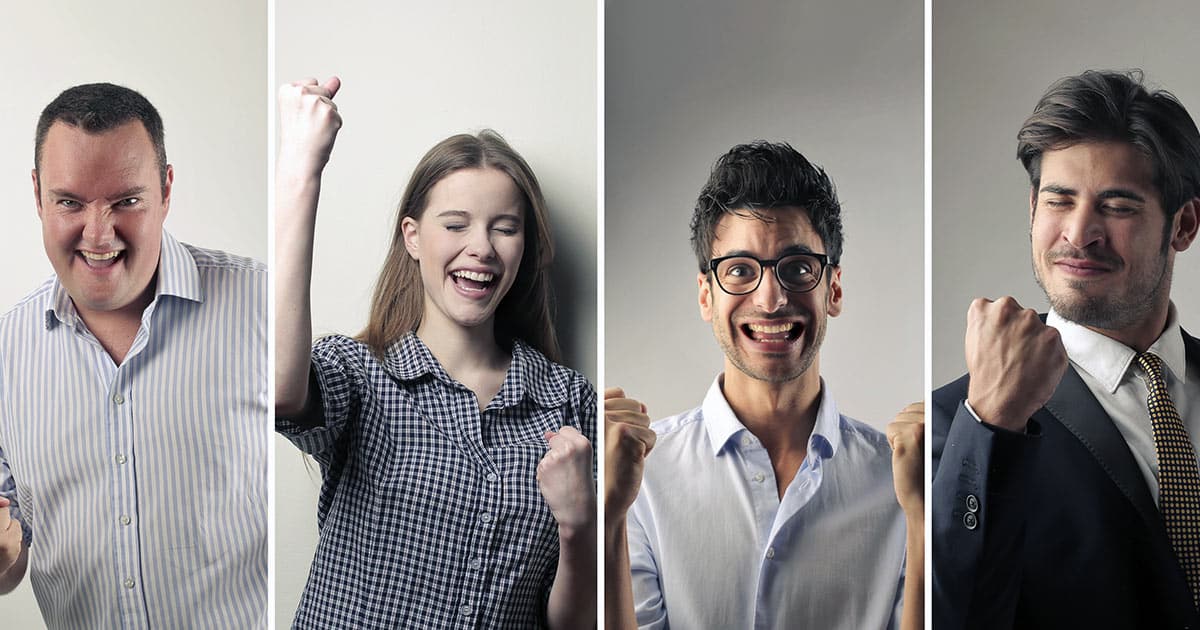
628,438
308,125
906,435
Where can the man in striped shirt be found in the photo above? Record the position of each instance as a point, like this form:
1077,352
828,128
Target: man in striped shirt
133,415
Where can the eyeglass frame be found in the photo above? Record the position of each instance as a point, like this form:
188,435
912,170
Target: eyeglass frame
772,264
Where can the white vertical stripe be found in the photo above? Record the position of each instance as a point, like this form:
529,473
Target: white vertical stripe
191,424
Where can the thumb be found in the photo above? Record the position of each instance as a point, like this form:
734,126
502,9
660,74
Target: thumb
4,502
549,435
332,85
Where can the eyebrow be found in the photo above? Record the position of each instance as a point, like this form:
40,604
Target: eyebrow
1112,193
787,251
463,214
129,192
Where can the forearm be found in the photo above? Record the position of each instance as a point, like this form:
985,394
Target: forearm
296,196
573,597
12,577
913,608
618,580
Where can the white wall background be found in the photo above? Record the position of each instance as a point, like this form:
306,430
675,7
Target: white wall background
202,65
413,74
992,61
843,83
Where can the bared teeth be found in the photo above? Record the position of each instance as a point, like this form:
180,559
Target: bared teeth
770,329
100,256
477,276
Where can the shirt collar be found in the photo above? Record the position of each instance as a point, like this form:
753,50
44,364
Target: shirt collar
723,425
176,276
530,373
1107,360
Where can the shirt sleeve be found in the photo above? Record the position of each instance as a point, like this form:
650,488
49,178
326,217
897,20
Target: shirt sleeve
336,382
648,603
8,490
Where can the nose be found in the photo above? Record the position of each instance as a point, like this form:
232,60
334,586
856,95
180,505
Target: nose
1083,227
98,227
769,296
480,245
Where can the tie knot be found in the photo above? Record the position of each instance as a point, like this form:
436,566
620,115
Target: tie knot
1152,365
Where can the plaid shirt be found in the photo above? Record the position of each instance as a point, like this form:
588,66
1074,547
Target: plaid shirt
430,514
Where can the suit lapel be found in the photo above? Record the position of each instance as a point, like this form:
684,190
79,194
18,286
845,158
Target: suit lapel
1074,406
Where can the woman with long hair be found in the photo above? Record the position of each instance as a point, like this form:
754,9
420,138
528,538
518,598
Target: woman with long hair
458,484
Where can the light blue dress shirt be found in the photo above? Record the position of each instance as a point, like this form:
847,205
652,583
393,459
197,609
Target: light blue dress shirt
711,544
143,487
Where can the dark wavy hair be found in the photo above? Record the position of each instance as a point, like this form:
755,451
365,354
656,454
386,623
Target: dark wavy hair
761,176
100,107
1112,106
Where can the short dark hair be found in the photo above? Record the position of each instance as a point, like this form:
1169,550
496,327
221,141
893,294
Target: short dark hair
761,176
1112,106
100,107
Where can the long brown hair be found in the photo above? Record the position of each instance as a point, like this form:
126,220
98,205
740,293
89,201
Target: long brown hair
524,313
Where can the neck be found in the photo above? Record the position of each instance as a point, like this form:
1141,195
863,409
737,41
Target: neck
116,329
781,415
1142,334
461,350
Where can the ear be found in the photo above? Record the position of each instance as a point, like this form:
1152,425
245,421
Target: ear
166,191
834,299
1186,223
37,193
408,226
706,307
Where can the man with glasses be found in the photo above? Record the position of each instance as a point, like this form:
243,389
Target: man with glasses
764,507
1066,486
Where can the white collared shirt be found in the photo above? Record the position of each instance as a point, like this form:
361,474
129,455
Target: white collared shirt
711,544
1110,372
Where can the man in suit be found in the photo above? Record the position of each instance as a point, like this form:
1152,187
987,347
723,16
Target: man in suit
1065,490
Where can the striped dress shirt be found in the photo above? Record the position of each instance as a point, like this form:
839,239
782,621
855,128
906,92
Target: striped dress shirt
430,514
142,487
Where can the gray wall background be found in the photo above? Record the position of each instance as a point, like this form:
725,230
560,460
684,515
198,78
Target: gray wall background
991,63
413,74
203,65
843,83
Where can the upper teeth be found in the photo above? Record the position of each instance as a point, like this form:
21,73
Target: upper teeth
477,276
765,328
104,256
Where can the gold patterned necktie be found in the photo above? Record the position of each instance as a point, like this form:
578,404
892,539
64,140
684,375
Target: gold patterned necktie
1178,475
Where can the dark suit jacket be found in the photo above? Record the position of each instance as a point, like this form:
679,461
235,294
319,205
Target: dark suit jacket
1054,528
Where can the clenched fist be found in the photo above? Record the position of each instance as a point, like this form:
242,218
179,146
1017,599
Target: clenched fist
906,436
308,124
1015,362
565,478
628,438
10,537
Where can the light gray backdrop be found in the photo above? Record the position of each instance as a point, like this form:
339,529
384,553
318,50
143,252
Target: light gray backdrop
202,65
991,63
413,74
843,83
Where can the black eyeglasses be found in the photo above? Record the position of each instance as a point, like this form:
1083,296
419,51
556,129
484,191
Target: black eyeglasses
739,275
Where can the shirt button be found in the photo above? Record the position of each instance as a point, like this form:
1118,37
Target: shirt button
759,477
770,552
474,564
121,459
747,441
128,583
117,398
970,520
125,520
465,610
486,517
972,503
492,477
